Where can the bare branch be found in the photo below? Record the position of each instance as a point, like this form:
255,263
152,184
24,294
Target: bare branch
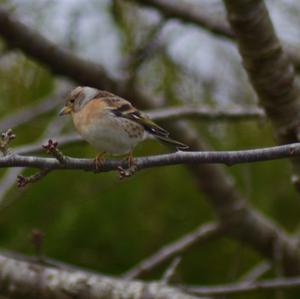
52,148
9,178
194,14
35,147
256,272
245,287
27,114
202,234
23,181
189,13
203,113
224,157
59,60
270,71
171,270
35,280
5,139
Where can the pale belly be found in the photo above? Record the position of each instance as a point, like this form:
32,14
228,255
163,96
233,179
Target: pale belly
112,135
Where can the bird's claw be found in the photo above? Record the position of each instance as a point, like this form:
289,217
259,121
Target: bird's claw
126,173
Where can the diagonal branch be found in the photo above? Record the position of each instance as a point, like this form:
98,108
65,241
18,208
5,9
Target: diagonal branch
246,287
193,14
202,234
21,279
189,13
28,113
59,60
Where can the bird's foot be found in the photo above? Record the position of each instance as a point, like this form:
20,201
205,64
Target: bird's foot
132,168
126,173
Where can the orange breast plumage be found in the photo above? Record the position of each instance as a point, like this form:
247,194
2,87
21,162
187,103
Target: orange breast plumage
106,132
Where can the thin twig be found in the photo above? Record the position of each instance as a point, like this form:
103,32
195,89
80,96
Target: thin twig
202,234
256,272
5,139
23,181
9,178
51,147
170,272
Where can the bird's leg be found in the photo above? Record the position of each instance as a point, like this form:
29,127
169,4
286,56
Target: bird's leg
130,160
99,160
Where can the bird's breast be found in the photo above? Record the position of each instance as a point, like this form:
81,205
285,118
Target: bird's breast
106,132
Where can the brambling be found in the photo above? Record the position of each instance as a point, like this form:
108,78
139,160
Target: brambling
110,123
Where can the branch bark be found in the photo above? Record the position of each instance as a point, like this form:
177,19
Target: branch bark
225,157
20,279
246,287
268,68
202,113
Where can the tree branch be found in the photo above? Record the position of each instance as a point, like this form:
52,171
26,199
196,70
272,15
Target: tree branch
20,279
28,113
9,178
268,68
202,234
246,287
59,60
189,13
173,113
224,157
256,272
193,14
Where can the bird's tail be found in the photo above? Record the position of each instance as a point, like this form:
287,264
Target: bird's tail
162,134
179,145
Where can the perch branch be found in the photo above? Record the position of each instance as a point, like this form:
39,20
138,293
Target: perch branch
223,157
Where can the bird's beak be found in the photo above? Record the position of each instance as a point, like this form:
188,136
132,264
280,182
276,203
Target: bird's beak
65,110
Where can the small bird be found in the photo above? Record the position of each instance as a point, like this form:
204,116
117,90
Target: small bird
110,123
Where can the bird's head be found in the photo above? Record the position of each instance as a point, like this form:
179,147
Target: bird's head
77,98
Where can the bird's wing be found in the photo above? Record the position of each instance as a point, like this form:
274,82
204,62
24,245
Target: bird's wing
122,108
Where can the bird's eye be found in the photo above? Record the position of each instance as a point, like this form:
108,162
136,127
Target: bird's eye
72,101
